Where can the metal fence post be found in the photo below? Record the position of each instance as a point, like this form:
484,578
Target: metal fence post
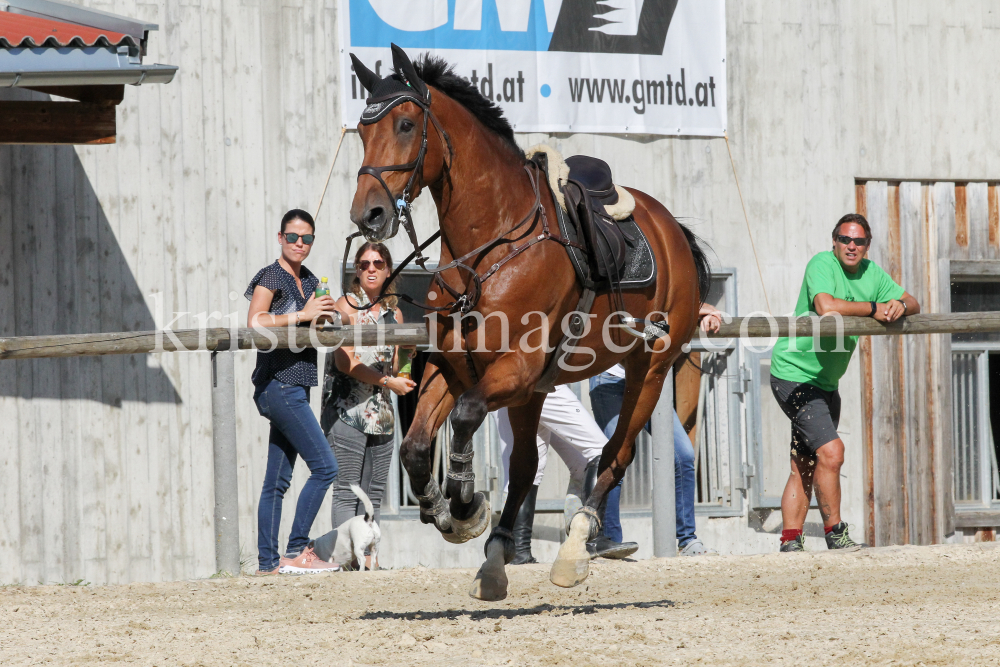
664,510
227,524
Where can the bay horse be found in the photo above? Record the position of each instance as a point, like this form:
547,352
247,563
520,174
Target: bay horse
502,269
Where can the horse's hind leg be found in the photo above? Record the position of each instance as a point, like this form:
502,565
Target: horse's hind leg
491,580
415,452
644,378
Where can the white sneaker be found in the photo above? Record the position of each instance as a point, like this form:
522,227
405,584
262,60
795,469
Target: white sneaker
696,548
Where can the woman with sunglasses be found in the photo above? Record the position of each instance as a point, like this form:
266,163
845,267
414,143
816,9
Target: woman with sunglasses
357,414
283,294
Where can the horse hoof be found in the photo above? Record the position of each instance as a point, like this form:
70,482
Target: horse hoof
479,521
569,573
572,564
450,536
490,584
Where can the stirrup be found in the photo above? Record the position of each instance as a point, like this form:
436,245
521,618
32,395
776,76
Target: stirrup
652,330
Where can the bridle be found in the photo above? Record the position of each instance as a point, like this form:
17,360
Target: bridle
466,300
403,211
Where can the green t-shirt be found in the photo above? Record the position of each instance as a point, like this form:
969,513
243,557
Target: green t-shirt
793,359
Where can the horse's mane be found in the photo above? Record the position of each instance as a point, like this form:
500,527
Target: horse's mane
435,71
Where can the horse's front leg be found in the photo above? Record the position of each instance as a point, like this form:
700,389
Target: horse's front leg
491,580
504,383
470,510
434,403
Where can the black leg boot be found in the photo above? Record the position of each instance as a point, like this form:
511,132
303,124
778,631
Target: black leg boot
603,546
522,529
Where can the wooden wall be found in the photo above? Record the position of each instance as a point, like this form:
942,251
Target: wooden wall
105,464
920,229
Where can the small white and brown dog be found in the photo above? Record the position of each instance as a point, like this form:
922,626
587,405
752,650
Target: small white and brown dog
358,534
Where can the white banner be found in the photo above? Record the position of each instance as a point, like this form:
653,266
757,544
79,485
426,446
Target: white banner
615,66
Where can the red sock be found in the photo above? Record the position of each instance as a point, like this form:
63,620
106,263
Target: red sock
790,534
829,529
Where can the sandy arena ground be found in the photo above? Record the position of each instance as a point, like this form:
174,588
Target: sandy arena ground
895,606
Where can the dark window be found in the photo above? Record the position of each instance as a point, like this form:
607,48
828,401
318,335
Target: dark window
972,297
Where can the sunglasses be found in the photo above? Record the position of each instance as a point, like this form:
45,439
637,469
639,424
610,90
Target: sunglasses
364,264
292,237
846,240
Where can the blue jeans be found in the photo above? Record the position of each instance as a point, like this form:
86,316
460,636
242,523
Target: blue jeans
606,393
294,432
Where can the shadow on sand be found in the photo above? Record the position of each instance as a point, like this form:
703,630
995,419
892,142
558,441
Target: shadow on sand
495,614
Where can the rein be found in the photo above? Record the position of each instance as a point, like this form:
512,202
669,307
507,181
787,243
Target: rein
467,300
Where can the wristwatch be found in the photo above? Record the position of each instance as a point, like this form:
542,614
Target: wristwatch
904,306
874,308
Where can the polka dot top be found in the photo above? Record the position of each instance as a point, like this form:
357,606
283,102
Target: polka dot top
283,365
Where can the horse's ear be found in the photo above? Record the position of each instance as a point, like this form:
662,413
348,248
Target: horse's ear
367,77
403,66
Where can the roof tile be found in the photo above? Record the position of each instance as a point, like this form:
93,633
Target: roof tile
17,30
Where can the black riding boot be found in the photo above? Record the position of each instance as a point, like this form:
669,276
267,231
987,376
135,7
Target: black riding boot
603,546
522,529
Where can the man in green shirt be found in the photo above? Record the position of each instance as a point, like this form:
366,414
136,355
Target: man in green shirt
805,374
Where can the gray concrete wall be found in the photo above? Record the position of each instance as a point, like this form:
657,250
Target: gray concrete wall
106,464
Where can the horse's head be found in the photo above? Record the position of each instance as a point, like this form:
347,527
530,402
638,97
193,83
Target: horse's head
394,131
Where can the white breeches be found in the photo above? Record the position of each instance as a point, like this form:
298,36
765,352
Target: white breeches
566,426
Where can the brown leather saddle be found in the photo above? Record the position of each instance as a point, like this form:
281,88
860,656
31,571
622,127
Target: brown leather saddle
589,189
608,255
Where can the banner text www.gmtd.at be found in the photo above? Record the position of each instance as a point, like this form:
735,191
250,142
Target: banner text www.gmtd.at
629,70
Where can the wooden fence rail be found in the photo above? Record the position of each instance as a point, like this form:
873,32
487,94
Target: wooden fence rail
217,339
212,340
931,323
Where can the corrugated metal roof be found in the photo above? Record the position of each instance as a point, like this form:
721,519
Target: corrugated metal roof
17,30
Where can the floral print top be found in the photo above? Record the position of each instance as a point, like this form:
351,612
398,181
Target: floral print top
366,407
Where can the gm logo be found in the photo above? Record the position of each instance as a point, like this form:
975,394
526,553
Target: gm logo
581,26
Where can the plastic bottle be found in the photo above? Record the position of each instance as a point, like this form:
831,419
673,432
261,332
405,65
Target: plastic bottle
404,364
323,289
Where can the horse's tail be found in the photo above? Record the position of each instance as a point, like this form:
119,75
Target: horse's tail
700,262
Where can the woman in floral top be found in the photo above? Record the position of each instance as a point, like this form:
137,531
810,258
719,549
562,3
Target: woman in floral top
357,414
